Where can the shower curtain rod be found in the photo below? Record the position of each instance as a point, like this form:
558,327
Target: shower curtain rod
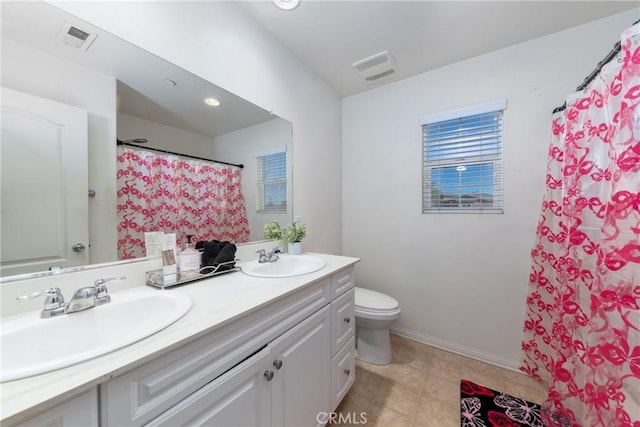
158,150
612,54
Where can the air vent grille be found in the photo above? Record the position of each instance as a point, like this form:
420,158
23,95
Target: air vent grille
76,37
376,67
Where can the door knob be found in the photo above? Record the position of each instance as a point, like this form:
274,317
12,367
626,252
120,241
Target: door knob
277,364
268,375
78,248
347,319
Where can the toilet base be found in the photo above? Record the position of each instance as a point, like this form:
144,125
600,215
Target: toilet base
373,346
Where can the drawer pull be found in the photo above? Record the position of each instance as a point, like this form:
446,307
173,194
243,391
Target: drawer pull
347,371
268,375
277,363
347,319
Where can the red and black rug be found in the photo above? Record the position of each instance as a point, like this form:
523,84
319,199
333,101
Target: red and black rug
482,407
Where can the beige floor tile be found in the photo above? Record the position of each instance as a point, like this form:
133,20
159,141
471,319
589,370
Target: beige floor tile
436,413
483,374
421,387
440,367
401,399
405,352
524,387
390,418
408,376
441,388
437,353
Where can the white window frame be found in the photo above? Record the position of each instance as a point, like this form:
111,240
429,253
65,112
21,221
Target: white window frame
496,159
262,157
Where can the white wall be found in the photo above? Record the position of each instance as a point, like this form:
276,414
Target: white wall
164,137
461,279
241,147
40,74
219,42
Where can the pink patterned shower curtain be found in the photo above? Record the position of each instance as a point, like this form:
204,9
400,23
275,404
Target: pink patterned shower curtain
582,326
163,192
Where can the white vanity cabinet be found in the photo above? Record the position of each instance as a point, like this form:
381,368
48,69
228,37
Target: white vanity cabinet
81,410
275,366
284,384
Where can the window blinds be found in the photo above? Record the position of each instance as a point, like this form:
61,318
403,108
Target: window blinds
462,160
272,180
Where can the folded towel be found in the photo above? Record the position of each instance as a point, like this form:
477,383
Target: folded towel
215,253
227,254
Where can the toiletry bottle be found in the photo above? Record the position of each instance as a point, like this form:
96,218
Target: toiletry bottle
189,260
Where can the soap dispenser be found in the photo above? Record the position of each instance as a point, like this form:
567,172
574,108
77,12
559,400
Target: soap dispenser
190,259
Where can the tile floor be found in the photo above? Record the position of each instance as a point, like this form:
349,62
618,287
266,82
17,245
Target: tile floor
421,387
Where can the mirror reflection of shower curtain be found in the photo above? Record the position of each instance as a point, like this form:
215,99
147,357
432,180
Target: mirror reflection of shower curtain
163,192
582,326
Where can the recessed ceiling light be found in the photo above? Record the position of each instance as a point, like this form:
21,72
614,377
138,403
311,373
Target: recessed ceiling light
212,101
286,4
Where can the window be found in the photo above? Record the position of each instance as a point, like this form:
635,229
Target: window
462,160
272,180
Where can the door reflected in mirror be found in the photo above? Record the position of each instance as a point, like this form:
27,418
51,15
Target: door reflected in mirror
164,105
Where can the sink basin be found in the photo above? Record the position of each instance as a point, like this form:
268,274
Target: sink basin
32,346
285,266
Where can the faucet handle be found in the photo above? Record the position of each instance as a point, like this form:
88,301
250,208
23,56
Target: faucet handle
101,282
53,303
102,295
277,250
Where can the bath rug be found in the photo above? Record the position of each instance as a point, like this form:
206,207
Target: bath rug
482,407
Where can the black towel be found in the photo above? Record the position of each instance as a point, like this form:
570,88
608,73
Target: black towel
215,253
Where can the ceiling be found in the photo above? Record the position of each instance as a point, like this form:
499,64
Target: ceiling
330,35
142,87
327,35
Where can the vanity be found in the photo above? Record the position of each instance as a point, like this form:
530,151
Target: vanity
251,351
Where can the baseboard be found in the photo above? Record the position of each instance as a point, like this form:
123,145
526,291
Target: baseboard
493,359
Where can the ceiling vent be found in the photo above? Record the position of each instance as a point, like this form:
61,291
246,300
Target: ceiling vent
376,67
76,37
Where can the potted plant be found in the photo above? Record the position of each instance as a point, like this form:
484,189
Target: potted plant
293,234
272,231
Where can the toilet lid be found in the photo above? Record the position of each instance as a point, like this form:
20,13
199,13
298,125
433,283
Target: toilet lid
372,300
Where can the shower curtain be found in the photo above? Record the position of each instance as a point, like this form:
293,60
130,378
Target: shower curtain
582,325
164,192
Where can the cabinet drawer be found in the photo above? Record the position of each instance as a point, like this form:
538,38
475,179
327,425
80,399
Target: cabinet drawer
342,281
343,372
342,320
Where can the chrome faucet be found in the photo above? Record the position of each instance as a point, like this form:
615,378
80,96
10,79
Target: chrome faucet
82,299
53,303
268,256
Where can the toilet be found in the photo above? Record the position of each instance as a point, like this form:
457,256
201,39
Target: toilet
374,312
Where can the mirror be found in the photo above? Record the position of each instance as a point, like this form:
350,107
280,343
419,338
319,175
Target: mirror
128,93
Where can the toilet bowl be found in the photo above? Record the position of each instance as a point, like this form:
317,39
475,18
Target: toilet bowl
374,312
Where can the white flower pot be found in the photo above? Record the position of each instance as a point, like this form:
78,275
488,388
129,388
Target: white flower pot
295,248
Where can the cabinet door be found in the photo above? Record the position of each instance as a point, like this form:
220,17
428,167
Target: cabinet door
302,366
79,411
240,397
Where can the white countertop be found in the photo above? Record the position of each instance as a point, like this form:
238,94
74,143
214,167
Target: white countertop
216,302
